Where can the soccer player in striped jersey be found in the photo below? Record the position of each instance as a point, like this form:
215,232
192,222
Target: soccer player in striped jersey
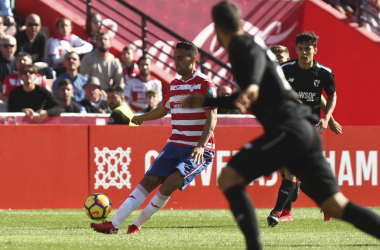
189,150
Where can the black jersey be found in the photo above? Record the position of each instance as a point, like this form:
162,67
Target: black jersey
253,62
309,83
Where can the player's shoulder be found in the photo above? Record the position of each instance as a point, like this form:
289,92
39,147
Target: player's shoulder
323,67
289,64
200,76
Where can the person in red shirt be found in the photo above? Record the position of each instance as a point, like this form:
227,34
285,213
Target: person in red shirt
130,67
14,80
136,88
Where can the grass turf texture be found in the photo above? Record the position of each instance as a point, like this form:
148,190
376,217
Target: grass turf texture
176,229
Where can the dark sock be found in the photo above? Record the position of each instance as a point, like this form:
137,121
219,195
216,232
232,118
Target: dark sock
362,218
243,211
286,190
288,205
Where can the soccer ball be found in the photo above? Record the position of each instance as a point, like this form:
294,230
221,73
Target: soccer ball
97,206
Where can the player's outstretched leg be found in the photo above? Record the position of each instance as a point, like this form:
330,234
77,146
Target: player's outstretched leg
169,185
338,206
232,184
155,204
133,202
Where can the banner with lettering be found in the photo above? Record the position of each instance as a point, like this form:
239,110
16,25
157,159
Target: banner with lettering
120,157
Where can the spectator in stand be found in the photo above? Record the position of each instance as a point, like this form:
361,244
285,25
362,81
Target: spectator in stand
72,64
62,42
2,33
6,12
121,112
7,59
130,68
103,65
30,98
94,102
13,80
136,88
225,90
31,40
152,99
65,94
94,25
372,17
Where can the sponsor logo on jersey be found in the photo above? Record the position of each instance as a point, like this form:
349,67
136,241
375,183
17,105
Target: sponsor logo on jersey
308,96
291,80
316,83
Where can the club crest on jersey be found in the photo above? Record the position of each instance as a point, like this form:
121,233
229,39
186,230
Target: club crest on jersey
192,87
316,83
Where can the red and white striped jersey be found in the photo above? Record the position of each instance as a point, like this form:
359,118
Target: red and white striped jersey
13,80
187,124
135,91
130,73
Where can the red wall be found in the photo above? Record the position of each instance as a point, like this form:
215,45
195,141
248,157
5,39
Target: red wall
55,166
43,166
352,54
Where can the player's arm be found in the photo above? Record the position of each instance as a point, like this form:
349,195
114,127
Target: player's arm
208,129
329,109
255,61
247,98
334,125
155,114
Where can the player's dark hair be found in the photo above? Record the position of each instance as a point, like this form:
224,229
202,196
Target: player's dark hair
279,49
64,82
308,37
227,16
191,49
23,54
144,57
119,91
89,21
62,19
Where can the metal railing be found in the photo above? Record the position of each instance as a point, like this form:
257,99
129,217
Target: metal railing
142,27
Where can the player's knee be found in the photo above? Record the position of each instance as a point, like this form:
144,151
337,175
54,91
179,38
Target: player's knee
172,183
150,182
229,178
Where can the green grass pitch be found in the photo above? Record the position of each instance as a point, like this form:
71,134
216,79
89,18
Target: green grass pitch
176,229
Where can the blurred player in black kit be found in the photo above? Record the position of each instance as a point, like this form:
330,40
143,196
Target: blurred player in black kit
291,138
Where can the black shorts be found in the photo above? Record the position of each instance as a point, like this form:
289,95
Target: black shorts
296,145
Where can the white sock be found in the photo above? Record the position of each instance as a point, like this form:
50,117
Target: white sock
133,202
155,204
